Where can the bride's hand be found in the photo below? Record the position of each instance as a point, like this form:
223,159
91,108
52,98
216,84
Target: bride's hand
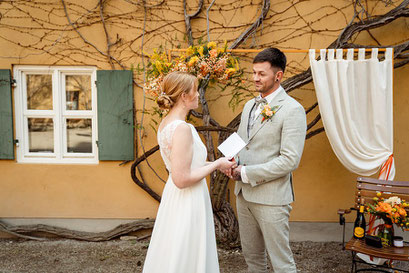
225,165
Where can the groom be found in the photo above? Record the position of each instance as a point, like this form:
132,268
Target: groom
274,126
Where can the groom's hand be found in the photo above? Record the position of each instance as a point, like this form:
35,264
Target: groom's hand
236,173
229,172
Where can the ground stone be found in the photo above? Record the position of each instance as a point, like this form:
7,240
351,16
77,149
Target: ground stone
58,255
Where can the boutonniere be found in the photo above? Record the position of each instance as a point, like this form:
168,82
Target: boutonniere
268,112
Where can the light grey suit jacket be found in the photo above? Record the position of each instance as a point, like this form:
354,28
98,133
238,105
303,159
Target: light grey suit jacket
273,151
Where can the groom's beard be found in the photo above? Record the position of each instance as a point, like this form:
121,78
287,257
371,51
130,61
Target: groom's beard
268,86
263,89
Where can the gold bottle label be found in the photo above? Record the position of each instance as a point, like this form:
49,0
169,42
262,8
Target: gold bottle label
359,232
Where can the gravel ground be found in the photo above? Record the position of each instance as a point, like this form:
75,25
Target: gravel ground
58,255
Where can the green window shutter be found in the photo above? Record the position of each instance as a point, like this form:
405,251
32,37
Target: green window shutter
115,115
6,116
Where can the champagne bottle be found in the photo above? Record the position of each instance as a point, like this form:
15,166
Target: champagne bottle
360,225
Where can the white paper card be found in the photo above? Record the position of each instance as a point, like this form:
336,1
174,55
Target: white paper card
232,145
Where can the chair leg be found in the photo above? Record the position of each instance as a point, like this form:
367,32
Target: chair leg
342,223
353,267
343,235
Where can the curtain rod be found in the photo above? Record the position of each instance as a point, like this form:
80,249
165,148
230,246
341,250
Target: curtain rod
283,50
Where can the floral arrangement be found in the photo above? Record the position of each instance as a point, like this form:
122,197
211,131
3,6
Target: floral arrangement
391,210
203,61
268,112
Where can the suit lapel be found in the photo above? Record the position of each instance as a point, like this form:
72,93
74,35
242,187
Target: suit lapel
246,117
277,100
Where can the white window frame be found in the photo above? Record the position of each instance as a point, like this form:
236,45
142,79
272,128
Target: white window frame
58,113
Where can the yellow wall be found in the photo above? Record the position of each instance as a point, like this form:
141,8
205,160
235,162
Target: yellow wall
322,184
105,190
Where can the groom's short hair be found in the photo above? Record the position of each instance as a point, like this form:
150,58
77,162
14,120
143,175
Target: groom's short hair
272,55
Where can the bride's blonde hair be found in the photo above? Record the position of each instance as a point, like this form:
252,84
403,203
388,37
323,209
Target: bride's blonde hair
173,86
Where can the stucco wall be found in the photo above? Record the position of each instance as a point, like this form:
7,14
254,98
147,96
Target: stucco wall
106,190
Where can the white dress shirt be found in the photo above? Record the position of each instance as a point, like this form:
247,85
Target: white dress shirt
269,99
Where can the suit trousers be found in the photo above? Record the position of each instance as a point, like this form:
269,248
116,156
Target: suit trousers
265,227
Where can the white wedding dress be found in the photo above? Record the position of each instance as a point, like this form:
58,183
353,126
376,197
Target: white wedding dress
183,238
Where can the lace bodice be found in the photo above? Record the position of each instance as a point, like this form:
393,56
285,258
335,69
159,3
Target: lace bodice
165,137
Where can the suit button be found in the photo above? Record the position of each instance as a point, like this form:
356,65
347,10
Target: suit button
247,148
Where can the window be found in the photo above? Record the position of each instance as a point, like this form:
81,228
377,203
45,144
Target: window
56,119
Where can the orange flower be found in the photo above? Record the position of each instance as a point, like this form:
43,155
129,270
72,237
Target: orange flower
213,53
402,212
384,207
204,68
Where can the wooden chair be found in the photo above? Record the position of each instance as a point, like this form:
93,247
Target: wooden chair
367,188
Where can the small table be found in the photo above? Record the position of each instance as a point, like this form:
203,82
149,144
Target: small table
390,253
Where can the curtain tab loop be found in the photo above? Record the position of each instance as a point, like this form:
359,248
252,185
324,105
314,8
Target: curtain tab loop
350,54
374,53
361,54
323,53
339,54
388,53
330,54
312,54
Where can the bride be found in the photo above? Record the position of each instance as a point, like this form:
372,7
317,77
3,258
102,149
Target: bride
183,238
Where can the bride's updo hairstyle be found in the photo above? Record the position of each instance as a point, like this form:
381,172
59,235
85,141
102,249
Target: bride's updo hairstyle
173,86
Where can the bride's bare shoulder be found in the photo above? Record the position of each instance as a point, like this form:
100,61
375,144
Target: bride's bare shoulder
182,132
182,127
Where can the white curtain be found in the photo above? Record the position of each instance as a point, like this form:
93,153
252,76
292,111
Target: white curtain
355,102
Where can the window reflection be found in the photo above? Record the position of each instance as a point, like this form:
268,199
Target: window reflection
79,136
40,135
39,92
78,92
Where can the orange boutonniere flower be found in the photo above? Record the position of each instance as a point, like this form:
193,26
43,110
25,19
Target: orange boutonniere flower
268,112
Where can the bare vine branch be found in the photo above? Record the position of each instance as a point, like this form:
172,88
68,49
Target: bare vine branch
314,132
84,39
109,44
352,28
200,115
311,108
188,18
142,183
314,121
79,235
264,10
207,19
